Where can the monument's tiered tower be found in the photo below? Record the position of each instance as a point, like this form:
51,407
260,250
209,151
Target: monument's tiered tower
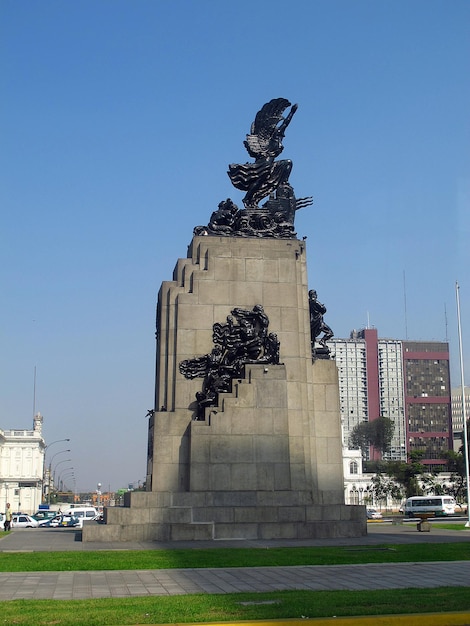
245,439
265,461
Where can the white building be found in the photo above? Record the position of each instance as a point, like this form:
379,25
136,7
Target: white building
457,414
358,487
392,394
21,467
371,384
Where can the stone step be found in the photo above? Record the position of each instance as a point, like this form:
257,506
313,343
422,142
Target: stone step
260,498
288,530
191,532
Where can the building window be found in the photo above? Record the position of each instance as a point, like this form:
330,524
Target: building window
353,467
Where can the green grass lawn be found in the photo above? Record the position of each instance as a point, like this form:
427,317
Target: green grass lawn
232,607
449,526
231,557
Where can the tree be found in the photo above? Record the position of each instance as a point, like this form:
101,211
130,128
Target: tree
407,473
385,487
431,485
359,437
456,467
468,439
377,433
381,433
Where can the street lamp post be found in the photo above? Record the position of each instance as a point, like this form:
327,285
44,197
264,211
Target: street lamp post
64,481
46,448
53,476
54,456
59,477
464,414
55,468
65,473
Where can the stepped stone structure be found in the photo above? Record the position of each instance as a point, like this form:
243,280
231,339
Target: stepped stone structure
245,439
265,462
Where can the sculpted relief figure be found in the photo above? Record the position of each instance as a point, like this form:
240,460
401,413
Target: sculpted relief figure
265,178
242,339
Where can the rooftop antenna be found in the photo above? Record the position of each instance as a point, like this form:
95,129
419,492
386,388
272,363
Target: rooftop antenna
404,297
445,318
368,320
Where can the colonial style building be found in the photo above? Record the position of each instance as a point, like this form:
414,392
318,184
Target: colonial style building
358,487
406,381
21,467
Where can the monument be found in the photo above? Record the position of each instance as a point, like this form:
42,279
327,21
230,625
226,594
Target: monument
244,441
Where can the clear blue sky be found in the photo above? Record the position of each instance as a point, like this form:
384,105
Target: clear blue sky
117,122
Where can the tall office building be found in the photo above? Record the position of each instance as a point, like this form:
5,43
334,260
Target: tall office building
428,400
406,381
457,414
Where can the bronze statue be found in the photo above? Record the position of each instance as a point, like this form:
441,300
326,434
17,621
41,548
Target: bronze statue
241,340
264,144
265,178
318,327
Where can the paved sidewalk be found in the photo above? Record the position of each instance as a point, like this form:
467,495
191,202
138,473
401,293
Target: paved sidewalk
132,583
119,584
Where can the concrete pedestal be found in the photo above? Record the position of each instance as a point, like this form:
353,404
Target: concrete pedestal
266,461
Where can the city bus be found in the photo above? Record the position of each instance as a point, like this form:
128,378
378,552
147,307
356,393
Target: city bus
439,505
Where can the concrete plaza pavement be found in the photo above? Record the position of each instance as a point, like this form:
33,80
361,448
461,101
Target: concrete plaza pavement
131,583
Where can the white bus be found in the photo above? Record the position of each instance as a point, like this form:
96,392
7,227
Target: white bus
439,505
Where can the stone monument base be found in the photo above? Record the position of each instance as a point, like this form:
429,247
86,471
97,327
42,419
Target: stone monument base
242,477
225,515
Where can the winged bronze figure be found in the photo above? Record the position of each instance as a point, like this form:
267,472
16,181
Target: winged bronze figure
265,178
264,144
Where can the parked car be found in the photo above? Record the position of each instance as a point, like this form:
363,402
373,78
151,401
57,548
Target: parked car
60,521
24,521
373,514
43,516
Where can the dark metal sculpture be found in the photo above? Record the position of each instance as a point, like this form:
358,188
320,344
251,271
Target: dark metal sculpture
265,177
264,144
242,339
319,331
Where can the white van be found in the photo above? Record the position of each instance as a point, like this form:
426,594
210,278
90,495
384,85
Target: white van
438,505
82,513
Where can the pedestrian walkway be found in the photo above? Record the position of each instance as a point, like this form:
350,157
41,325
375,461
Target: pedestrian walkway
132,583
